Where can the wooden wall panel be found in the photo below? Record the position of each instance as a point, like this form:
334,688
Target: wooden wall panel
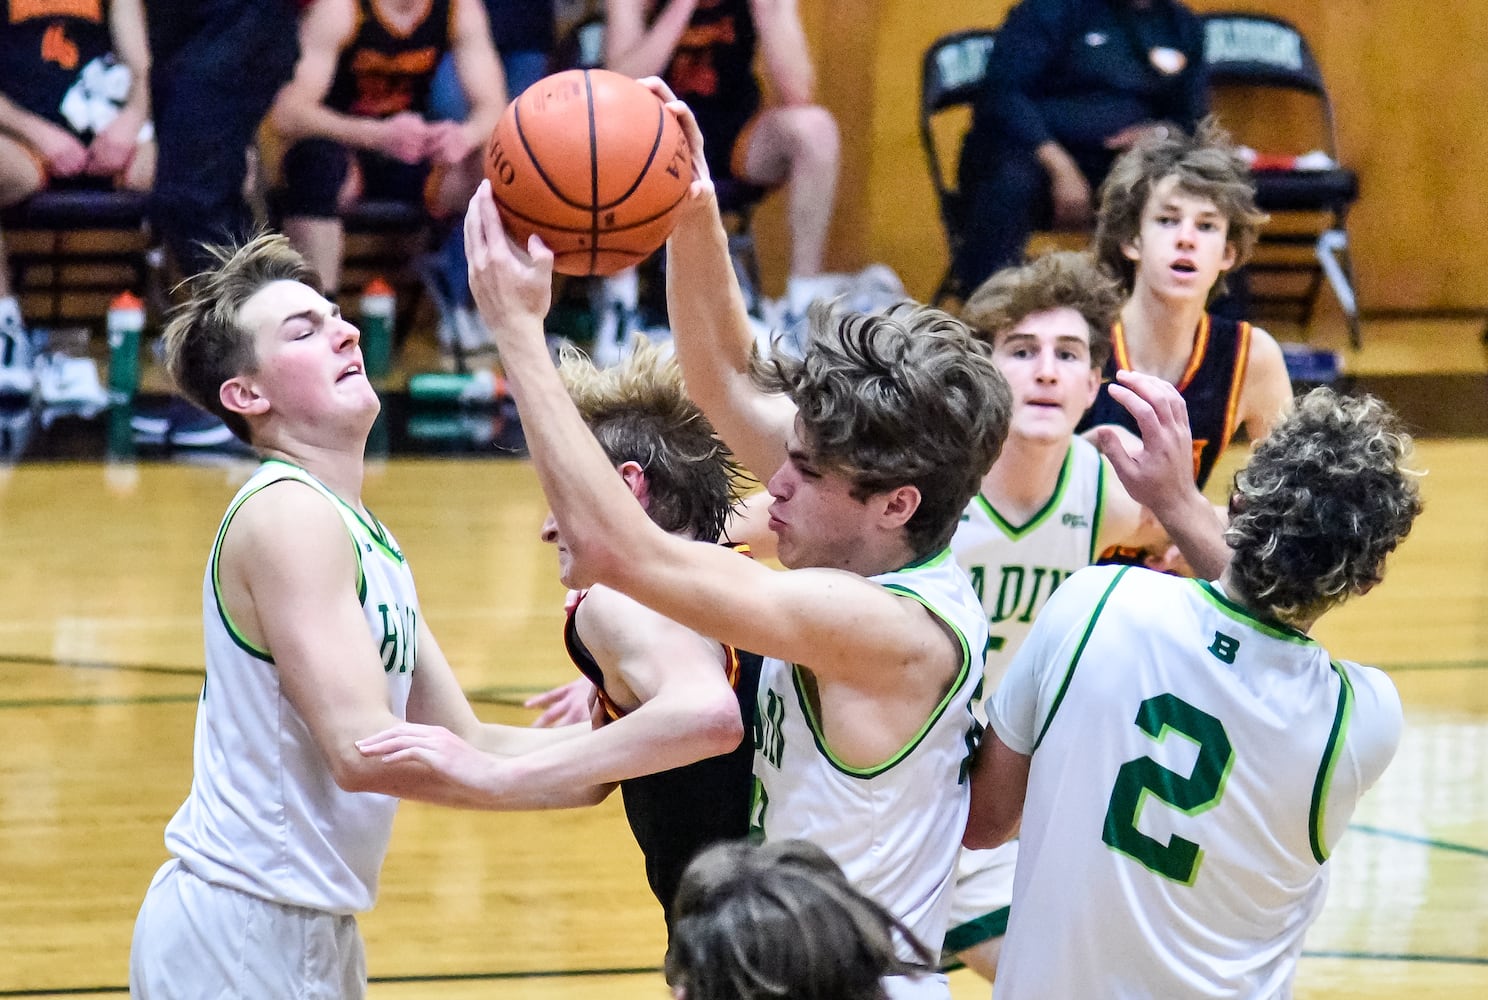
1410,82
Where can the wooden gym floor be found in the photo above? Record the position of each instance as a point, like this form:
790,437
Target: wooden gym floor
100,669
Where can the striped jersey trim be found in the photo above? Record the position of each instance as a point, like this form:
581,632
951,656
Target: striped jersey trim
1069,673
1237,384
1015,532
1244,616
814,724
1317,818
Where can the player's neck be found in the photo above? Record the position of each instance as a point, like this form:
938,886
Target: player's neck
339,470
1160,333
1024,476
1237,594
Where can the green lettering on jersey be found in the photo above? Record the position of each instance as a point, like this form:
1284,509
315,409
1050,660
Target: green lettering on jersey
399,647
1224,647
769,728
1179,858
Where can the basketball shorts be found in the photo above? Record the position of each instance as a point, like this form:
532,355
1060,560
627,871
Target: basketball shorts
980,898
194,939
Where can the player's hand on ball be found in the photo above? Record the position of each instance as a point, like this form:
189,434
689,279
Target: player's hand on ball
702,180
510,284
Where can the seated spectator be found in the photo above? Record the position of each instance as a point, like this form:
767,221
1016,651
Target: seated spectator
354,118
779,920
705,50
1070,85
74,112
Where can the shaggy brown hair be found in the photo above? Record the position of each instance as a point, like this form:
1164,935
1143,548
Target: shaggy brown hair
1065,279
906,397
1206,166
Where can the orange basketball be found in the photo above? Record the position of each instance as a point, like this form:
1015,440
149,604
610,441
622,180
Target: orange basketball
593,163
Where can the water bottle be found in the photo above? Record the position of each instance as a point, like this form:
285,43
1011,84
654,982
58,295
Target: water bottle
457,388
379,306
126,323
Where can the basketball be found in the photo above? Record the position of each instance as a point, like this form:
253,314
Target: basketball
593,163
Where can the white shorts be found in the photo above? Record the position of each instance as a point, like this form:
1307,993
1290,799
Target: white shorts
932,986
194,939
980,898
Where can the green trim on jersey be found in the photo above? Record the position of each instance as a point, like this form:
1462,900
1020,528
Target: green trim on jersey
1317,819
306,479
1100,507
814,724
933,559
1069,674
1057,498
973,933
1245,616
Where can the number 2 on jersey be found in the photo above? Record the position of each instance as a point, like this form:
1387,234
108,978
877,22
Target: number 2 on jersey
1158,716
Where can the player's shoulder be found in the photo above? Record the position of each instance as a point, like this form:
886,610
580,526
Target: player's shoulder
1376,719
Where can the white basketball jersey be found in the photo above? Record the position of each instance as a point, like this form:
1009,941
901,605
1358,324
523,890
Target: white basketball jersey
1014,568
896,828
1192,769
264,815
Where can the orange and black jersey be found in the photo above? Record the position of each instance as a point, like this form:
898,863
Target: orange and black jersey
382,70
1210,385
712,67
44,45
675,814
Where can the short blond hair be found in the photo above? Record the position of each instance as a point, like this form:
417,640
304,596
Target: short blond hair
205,344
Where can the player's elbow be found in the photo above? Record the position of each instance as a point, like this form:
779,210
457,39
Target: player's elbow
720,728
986,828
354,773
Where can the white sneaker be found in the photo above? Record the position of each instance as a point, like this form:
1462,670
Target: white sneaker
17,377
61,380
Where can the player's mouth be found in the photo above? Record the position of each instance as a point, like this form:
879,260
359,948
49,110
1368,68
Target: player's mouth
355,368
1185,266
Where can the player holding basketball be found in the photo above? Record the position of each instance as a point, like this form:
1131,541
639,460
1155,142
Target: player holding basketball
1176,213
314,639
706,51
354,117
1153,866
675,705
872,636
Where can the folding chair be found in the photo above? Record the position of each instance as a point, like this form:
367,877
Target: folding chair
1245,54
71,252
950,79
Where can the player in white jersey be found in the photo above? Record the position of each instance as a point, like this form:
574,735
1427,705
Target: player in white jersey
313,639
876,439
1154,866
1047,507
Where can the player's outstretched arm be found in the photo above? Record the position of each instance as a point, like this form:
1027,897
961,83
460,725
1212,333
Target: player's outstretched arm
687,713
829,620
1159,474
710,325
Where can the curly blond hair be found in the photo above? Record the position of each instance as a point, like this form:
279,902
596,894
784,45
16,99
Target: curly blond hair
1321,503
1065,279
639,412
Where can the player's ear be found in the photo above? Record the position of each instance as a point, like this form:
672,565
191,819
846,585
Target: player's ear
636,482
239,395
1132,249
900,503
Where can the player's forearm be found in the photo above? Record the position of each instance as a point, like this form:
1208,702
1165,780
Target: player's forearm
514,741
786,55
298,120
19,122
649,50
1193,524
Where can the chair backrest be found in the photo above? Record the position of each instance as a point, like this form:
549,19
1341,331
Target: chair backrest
951,77
1259,50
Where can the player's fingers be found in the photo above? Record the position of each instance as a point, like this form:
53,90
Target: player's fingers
659,87
1139,408
543,700
475,241
1109,443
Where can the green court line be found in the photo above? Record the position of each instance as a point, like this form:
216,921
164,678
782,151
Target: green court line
1411,838
136,668
144,699
1373,956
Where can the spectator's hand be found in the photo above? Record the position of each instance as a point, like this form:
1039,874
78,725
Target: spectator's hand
1133,134
405,137
1072,197
111,150
450,142
702,181
63,152
510,284
564,705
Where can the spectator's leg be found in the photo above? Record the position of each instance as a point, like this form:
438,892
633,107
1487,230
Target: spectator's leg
799,147
1003,203
314,172
21,176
